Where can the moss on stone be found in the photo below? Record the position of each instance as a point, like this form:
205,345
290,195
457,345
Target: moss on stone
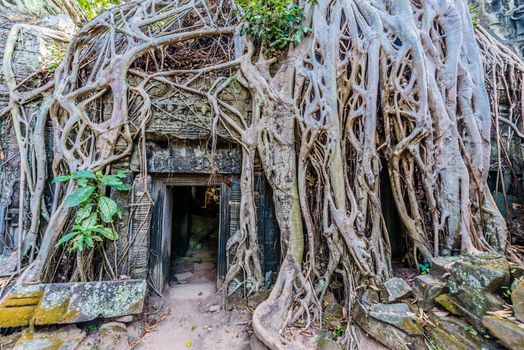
447,303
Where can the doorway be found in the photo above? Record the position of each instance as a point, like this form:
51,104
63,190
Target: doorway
195,231
189,229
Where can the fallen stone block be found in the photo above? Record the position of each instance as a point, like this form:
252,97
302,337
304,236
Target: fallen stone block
453,333
369,297
509,333
184,277
396,289
65,338
455,305
517,298
333,312
440,266
474,284
427,288
390,336
398,315
62,303
485,272
113,335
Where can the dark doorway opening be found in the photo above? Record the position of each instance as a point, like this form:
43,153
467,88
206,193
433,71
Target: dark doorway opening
195,227
396,232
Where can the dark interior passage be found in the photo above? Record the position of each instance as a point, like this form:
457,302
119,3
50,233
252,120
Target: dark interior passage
195,230
397,236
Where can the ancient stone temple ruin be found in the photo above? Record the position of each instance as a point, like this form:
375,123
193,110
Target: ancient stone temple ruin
173,176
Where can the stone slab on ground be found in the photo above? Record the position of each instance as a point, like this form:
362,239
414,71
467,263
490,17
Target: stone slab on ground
113,335
396,289
390,336
65,338
508,333
517,298
454,333
398,315
427,288
475,283
184,277
441,266
485,272
62,303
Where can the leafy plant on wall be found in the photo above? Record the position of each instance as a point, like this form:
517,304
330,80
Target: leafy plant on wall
95,212
277,23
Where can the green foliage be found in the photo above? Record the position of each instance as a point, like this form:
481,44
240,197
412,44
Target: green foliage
94,211
506,292
424,267
471,330
93,7
338,331
474,11
275,23
57,55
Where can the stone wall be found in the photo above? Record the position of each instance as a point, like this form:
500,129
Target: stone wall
27,59
505,19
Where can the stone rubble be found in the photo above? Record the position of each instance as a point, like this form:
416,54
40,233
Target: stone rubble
65,338
396,289
517,298
427,288
462,304
113,335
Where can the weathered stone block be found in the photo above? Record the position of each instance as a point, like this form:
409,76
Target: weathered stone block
61,303
474,282
204,266
508,333
113,335
486,273
439,266
456,306
65,338
427,289
517,298
452,333
398,315
390,336
396,289
369,296
184,277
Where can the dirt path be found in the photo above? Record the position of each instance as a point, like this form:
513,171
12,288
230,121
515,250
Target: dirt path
194,322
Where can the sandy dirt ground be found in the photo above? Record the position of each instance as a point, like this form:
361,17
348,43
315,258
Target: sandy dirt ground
194,321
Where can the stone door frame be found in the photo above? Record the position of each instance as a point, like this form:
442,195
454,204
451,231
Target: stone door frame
161,233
